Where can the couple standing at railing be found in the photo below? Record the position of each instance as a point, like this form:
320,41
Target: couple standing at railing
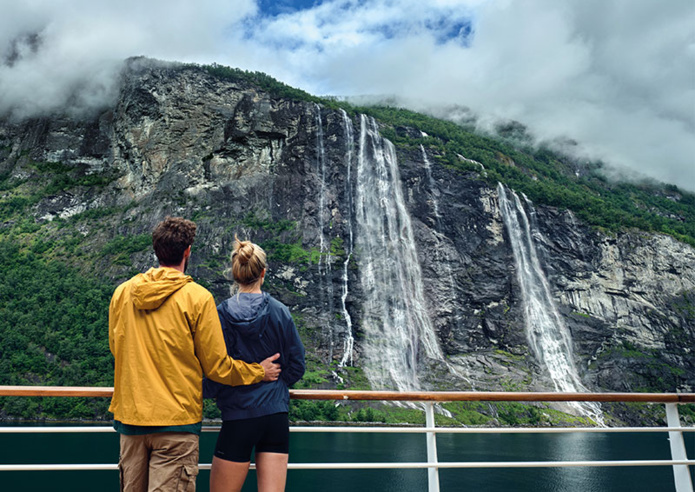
165,334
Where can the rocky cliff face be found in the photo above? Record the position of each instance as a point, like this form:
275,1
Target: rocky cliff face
304,182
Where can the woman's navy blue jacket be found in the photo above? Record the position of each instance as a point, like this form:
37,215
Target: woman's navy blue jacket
256,326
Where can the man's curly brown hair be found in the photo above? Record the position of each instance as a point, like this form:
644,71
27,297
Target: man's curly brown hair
170,239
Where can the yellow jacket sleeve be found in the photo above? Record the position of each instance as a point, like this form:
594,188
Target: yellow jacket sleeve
113,321
212,352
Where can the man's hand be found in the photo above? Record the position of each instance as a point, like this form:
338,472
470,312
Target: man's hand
272,370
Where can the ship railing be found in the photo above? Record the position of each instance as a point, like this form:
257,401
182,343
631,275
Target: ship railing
679,459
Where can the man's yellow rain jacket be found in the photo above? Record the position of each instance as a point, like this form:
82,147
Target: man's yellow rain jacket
164,333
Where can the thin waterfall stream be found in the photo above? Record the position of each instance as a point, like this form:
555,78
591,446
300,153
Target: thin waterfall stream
321,171
349,340
430,179
324,260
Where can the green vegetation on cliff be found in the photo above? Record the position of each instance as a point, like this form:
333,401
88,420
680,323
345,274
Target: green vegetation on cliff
269,84
54,332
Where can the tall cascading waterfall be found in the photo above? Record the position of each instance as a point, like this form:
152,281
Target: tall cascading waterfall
548,336
398,331
324,260
349,340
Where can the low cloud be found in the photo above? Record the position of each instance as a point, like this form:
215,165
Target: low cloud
58,54
617,77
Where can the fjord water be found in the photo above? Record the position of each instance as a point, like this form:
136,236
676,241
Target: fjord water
362,448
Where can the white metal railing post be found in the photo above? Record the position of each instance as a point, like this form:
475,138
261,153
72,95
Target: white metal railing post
681,473
433,471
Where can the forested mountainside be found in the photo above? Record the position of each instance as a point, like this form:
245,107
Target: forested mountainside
413,253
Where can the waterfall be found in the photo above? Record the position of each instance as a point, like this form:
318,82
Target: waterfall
349,341
548,336
430,179
324,260
398,331
321,172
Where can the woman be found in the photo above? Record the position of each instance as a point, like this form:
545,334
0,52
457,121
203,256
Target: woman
255,326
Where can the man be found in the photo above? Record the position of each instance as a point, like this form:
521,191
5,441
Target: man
164,333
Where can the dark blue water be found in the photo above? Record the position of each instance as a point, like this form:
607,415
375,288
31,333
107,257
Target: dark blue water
332,447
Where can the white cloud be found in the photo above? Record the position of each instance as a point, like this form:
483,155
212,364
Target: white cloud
66,50
618,77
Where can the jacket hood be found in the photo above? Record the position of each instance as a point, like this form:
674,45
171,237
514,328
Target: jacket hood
247,312
153,287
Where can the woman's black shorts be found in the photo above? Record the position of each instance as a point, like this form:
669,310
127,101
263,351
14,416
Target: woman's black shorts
268,434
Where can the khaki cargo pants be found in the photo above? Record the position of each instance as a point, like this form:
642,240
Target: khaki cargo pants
162,462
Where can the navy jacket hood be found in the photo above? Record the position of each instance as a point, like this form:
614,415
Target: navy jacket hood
256,326
247,312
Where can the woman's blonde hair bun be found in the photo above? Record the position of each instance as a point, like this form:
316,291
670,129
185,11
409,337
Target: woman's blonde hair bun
243,251
248,262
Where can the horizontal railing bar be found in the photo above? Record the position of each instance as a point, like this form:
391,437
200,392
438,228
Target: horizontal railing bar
488,464
40,467
440,396
55,430
392,465
444,396
383,430
84,391
491,430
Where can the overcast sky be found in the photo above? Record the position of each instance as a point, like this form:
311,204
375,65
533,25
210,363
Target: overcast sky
618,76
